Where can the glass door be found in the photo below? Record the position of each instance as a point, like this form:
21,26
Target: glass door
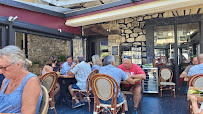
188,39
164,44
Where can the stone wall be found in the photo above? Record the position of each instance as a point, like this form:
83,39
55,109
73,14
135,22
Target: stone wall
41,48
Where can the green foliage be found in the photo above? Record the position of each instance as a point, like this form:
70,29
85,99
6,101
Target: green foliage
37,62
61,58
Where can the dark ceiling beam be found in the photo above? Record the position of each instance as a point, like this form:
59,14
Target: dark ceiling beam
31,8
101,7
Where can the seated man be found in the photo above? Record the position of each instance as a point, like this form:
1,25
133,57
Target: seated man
67,65
81,72
197,69
110,69
184,74
134,71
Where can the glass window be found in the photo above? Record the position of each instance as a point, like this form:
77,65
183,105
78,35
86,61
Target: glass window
188,38
164,44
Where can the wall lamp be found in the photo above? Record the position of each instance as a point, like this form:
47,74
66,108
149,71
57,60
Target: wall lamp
11,18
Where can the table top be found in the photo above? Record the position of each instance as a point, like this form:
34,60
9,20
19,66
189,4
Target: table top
199,97
64,76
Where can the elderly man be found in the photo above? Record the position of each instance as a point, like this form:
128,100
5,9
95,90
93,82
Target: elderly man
133,71
184,74
67,65
110,69
81,72
197,69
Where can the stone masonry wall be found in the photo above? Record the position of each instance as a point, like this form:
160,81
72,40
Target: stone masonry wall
41,48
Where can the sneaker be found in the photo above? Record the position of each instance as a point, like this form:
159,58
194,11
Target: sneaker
77,105
82,103
134,111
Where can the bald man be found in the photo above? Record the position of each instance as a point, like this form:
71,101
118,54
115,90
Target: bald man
133,71
184,74
197,69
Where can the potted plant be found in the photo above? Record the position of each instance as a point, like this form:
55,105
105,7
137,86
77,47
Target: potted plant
61,60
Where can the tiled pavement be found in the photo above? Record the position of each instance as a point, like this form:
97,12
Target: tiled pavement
150,104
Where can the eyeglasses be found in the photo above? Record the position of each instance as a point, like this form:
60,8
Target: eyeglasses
4,68
128,57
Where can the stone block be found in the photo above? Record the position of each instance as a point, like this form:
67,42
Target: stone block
142,24
113,36
140,18
122,39
122,31
128,20
135,23
144,31
147,17
133,35
127,36
120,21
141,38
155,15
137,30
129,25
122,25
128,31
130,40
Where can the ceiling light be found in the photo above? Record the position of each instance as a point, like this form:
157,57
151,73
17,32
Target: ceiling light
170,34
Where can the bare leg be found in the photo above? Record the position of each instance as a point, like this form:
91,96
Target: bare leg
80,96
57,88
126,103
71,92
136,90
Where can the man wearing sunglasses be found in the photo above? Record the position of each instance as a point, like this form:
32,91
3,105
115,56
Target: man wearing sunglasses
133,71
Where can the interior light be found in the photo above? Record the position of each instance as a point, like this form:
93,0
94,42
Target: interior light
170,34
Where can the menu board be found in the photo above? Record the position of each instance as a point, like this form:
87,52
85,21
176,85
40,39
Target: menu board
115,50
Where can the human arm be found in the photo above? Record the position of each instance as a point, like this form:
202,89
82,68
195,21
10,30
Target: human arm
30,96
138,76
195,104
183,75
48,69
73,70
131,80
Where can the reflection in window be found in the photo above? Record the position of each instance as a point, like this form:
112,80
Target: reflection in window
163,35
103,48
188,38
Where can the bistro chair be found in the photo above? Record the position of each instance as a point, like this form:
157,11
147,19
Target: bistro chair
166,75
49,80
104,87
45,101
75,91
194,81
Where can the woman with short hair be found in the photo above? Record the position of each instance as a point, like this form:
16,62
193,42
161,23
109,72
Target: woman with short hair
20,90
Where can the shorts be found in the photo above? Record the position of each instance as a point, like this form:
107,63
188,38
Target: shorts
123,88
74,86
119,99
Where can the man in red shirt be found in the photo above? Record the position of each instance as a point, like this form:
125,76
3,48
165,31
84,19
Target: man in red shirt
133,71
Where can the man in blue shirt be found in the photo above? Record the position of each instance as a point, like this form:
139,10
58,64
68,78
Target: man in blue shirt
81,72
118,74
197,69
66,66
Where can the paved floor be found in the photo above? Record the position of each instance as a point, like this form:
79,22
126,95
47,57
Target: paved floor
150,104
